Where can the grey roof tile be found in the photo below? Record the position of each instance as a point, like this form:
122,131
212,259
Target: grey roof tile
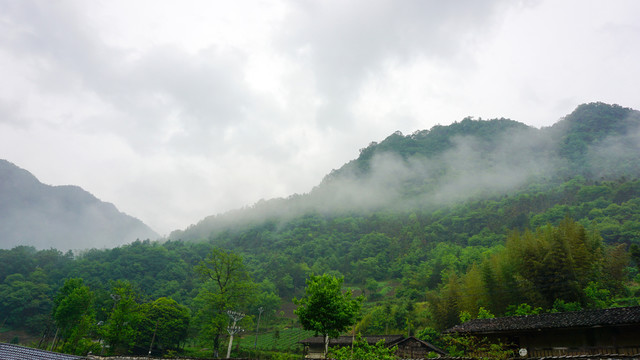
16,352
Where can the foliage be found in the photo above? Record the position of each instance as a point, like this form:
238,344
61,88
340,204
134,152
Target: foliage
26,300
522,309
484,313
431,336
163,325
460,345
74,315
325,308
120,331
227,286
228,275
361,350
556,267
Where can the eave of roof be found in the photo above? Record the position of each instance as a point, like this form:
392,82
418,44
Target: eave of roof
576,319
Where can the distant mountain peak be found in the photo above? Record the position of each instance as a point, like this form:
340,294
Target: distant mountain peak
63,217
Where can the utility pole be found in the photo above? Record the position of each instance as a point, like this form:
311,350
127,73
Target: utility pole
153,338
55,337
115,298
233,329
255,344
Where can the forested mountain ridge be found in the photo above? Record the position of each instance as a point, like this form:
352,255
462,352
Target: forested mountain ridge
62,217
575,140
430,143
465,160
600,140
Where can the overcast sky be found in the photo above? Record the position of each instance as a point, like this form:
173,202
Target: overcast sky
175,110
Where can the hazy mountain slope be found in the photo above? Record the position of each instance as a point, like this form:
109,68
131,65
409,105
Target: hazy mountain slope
63,217
470,159
592,138
599,140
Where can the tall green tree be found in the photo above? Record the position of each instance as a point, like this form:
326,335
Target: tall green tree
445,305
74,315
120,330
164,325
226,286
326,309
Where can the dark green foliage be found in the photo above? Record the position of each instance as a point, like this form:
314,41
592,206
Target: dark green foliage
26,300
555,268
73,314
165,322
121,330
325,308
477,347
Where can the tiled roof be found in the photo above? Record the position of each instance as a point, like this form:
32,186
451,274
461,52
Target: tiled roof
346,340
576,319
424,343
15,352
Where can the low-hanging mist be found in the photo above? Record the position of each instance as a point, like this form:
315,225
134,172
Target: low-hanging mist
470,159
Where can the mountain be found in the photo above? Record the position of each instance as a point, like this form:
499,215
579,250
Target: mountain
62,217
467,160
595,140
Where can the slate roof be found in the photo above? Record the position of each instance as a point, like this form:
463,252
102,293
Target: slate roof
346,340
424,343
16,352
576,319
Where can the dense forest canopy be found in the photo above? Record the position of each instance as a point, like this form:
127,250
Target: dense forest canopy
469,219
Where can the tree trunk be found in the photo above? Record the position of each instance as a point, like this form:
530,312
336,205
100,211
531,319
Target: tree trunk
326,345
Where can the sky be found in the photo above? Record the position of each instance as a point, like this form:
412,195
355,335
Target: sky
176,110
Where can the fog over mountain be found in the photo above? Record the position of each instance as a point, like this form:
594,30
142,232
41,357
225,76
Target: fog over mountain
485,157
472,158
61,217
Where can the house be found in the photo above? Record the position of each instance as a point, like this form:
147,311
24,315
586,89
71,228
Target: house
604,331
409,347
16,352
414,348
